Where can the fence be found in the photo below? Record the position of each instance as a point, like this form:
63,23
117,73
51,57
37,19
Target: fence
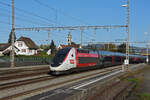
25,61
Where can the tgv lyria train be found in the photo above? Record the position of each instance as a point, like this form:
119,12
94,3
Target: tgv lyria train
72,59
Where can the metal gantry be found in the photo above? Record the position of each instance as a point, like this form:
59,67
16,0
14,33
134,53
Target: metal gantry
128,32
147,46
69,28
127,5
81,28
114,42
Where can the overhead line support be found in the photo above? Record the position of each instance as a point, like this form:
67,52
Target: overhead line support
70,28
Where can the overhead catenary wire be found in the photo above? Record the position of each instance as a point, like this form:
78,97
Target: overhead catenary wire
38,17
61,12
30,13
8,23
25,20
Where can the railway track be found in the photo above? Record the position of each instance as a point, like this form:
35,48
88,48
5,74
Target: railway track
13,74
24,82
46,83
23,75
21,70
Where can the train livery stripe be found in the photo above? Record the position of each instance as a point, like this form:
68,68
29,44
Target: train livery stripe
113,59
86,59
86,64
76,57
87,55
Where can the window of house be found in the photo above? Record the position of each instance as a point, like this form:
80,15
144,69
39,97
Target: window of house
20,44
30,51
23,50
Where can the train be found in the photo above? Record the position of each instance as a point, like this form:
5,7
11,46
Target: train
70,59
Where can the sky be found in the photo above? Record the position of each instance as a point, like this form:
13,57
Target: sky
51,13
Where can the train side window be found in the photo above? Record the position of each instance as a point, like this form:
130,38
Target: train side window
93,52
108,58
82,51
118,59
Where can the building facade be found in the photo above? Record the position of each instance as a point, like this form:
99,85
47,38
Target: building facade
26,46
23,46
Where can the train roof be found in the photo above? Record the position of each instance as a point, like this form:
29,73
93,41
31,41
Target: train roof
109,53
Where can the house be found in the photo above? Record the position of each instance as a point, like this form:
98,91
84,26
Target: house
23,46
5,49
26,46
3,46
48,52
72,45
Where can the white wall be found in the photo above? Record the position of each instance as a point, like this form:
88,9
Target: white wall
1,53
10,48
49,52
24,50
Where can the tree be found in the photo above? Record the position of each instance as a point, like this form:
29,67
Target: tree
10,36
112,47
52,47
42,46
109,47
122,48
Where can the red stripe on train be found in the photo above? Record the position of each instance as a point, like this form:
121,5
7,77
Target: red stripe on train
86,64
76,56
86,55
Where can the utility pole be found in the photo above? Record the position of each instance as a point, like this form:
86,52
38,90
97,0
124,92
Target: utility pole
126,62
81,32
108,46
95,35
128,31
12,37
147,45
48,38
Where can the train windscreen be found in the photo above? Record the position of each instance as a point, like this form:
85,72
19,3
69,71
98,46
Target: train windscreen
59,57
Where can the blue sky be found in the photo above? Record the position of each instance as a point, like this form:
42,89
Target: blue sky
76,12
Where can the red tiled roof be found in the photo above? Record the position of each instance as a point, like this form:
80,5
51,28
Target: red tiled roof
72,45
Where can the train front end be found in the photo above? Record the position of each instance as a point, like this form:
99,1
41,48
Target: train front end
63,61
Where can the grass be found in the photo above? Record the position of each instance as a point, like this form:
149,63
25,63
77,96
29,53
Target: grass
134,80
144,96
138,79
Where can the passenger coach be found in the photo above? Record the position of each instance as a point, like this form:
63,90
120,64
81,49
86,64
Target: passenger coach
68,60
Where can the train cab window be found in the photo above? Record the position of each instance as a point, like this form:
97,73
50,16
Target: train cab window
59,57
